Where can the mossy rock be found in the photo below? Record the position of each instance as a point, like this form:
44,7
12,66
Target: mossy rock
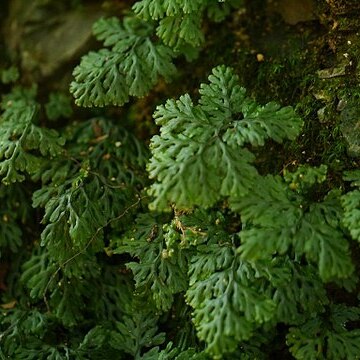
350,127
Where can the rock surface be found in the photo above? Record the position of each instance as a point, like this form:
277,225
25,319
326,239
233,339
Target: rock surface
42,35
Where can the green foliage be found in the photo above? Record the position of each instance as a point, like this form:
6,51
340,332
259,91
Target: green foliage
136,332
131,67
31,336
79,201
180,21
327,337
10,231
9,75
14,211
73,212
351,205
161,270
227,306
217,11
37,273
69,294
220,237
311,228
59,105
206,141
23,143
298,293
305,176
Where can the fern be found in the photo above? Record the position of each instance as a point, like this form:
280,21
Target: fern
37,273
206,141
65,214
131,67
327,338
58,106
137,332
312,229
300,294
227,309
180,21
14,212
20,141
94,343
351,205
224,234
71,227
157,273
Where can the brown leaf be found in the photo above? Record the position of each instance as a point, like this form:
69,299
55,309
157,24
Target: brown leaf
9,305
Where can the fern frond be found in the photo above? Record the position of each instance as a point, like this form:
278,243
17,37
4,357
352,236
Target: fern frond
131,67
23,144
321,339
205,142
310,228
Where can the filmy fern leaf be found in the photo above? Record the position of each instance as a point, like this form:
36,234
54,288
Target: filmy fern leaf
58,106
277,219
300,293
10,232
157,9
351,204
14,212
161,268
131,67
23,144
218,10
37,272
226,306
137,331
327,338
205,142
69,224
180,21
84,192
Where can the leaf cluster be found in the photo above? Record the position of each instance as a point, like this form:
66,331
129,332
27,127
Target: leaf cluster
180,21
25,144
176,247
129,65
207,142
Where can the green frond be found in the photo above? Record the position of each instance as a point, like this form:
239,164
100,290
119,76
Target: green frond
206,141
130,67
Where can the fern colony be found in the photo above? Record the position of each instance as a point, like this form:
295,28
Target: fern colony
227,232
